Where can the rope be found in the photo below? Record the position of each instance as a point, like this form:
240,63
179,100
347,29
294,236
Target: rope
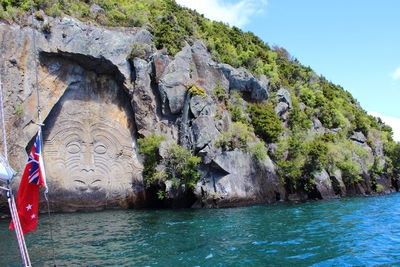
51,229
35,64
18,230
3,127
10,198
40,126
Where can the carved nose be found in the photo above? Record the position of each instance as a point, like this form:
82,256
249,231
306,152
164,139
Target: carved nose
87,161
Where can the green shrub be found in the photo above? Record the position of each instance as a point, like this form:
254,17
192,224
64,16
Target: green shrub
266,123
140,50
331,117
221,93
196,90
181,167
341,155
258,151
237,137
307,97
149,147
298,119
317,155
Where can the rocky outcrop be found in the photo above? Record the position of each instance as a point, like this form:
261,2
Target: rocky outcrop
242,80
97,99
235,178
324,184
284,104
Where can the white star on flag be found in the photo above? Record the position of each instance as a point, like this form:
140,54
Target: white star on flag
33,216
29,207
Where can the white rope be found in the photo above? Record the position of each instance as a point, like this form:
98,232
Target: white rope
3,127
18,230
4,188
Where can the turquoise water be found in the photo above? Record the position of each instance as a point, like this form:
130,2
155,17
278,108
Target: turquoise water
352,231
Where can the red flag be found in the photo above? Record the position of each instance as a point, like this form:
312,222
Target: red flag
28,191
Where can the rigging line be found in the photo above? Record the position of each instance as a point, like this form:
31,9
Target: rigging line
40,128
10,196
3,127
51,229
19,227
35,64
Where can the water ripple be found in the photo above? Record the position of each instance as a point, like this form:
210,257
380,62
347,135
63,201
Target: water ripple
345,232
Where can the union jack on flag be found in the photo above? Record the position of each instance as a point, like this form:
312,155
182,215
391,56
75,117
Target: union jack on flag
34,163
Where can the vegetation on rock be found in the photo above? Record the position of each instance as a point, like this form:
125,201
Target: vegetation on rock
316,102
177,165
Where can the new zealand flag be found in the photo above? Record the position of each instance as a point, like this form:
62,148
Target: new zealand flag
28,191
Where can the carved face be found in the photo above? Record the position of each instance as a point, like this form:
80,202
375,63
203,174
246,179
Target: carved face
89,148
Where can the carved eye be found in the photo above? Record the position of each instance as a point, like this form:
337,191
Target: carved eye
73,148
100,149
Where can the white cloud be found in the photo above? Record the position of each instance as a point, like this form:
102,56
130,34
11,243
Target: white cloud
237,14
392,122
396,74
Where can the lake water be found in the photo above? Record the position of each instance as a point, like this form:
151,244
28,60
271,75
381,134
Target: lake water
351,231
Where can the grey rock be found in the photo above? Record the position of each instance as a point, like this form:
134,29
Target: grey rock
203,69
200,105
238,180
324,185
317,125
259,91
96,9
104,50
160,63
204,131
358,137
281,108
223,125
143,99
144,36
242,80
172,84
208,153
284,96
337,182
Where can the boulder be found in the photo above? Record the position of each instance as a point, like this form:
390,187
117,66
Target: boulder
204,73
337,182
236,179
96,10
324,185
358,137
281,108
204,131
172,85
242,80
283,95
160,63
143,99
200,105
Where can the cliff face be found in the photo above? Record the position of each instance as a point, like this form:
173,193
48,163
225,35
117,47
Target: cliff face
98,98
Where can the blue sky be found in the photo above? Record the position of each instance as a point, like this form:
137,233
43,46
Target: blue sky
353,43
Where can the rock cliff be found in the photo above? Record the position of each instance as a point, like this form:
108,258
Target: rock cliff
97,98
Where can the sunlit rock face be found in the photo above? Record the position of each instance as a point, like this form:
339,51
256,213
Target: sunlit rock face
89,147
